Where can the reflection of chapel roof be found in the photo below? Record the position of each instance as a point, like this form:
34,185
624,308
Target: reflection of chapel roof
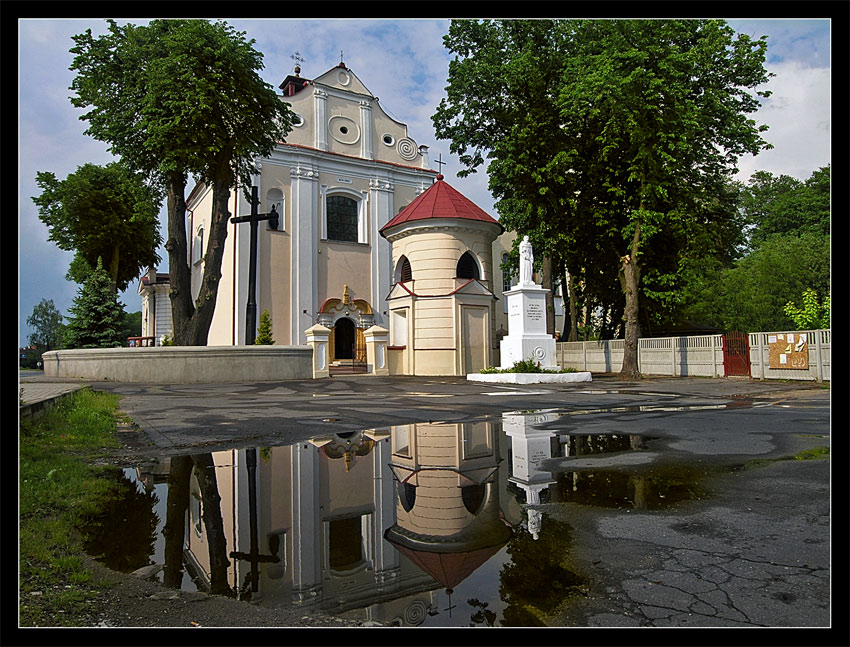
449,562
440,201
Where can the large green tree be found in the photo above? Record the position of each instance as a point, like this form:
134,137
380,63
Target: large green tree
97,317
46,324
105,212
616,135
181,99
781,204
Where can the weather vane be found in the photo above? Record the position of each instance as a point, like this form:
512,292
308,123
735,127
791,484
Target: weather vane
298,60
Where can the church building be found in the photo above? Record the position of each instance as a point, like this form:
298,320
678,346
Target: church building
368,235
345,170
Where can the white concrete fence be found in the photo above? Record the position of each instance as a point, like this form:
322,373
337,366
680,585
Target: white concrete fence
700,355
820,357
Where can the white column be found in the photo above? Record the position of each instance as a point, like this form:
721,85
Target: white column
366,129
381,192
306,525
305,220
385,556
320,130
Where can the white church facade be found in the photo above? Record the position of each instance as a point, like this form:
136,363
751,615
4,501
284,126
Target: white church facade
346,171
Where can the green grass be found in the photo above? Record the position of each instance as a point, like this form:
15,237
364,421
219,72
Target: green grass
815,453
59,488
526,366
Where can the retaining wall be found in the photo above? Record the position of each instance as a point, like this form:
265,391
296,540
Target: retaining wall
182,364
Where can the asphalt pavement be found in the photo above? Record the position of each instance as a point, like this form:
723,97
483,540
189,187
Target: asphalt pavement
749,546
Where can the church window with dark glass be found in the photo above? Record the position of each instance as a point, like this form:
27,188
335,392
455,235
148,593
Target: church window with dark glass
342,218
403,271
467,268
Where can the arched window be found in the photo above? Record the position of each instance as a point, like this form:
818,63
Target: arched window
198,246
467,267
407,496
506,274
402,270
342,221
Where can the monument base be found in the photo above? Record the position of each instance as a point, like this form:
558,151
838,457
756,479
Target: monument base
530,378
540,349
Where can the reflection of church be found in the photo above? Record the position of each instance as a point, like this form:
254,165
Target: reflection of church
381,521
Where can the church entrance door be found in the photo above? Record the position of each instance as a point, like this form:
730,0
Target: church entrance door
344,339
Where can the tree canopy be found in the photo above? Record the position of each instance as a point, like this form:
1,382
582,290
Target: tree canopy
102,212
610,142
177,99
46,324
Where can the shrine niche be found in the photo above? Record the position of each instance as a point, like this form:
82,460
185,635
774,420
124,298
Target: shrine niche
346,318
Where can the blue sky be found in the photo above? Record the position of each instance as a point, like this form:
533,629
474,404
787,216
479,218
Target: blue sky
404,63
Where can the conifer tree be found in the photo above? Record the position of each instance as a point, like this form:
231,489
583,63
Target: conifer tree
97,316
264,332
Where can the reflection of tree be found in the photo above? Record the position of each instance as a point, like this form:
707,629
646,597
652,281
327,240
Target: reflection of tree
482,617
121,533
175,519
538,578
175,524
213,523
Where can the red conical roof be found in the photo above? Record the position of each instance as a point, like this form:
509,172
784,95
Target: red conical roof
441,201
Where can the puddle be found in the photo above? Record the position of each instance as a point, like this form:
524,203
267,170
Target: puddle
428,524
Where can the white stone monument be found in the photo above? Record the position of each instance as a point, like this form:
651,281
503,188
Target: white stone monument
527,337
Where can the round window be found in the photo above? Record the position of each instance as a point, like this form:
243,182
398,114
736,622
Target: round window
388,140
343,130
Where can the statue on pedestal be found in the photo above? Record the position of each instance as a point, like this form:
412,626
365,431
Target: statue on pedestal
526,262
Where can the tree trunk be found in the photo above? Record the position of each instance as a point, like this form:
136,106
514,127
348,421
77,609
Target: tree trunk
573,336
630,282
213,524
208,292
548,284
113,267
178,265
175,519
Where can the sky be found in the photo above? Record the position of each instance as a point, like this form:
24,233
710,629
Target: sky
404,63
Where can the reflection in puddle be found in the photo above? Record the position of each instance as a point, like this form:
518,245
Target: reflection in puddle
435,524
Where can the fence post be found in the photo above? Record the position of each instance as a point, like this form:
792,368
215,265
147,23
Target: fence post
818,350
673,356
714,356
761,355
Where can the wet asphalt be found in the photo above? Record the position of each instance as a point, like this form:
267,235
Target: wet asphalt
751,549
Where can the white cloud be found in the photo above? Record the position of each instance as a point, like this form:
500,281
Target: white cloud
798,116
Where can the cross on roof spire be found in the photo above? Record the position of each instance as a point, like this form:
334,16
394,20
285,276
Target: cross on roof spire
440,161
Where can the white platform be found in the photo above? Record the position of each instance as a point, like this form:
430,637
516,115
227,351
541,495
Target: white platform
529,378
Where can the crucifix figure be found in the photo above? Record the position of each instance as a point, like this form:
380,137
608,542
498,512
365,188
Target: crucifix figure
254,218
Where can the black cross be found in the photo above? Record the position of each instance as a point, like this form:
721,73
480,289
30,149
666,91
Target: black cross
440,161
251,307
254,556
